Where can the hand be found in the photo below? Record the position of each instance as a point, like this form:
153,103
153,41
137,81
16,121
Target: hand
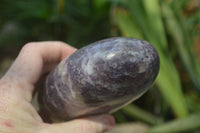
17,115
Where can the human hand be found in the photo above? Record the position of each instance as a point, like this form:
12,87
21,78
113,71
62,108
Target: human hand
17,115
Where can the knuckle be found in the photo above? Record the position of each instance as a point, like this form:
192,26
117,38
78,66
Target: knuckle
27,47
87,127
60,42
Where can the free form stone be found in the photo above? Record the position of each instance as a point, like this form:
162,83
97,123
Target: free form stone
100,78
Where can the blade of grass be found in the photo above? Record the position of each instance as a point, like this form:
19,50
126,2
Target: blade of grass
120,117
137,113
193,66
187,124
153,11
183,41
174,97
138,15
156,26
125,21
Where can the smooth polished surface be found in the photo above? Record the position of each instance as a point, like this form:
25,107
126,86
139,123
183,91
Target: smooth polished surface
100,78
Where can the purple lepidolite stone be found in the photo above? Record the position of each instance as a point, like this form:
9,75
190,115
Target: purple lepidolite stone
100,78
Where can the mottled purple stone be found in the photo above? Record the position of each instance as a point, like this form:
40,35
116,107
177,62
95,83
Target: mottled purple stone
100,78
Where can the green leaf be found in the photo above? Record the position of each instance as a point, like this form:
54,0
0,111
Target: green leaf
154,17
137,113
187,124
182,40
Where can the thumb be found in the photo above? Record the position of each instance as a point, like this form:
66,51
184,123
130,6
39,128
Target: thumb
93,124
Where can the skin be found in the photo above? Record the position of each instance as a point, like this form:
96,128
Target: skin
17,114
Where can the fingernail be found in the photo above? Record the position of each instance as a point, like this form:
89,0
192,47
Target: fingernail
108,121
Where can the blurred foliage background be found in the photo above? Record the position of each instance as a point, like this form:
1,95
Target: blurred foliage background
172,26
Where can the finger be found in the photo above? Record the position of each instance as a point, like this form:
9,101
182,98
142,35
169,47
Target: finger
94,124
33,60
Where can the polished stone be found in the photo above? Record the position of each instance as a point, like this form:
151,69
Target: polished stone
101,77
